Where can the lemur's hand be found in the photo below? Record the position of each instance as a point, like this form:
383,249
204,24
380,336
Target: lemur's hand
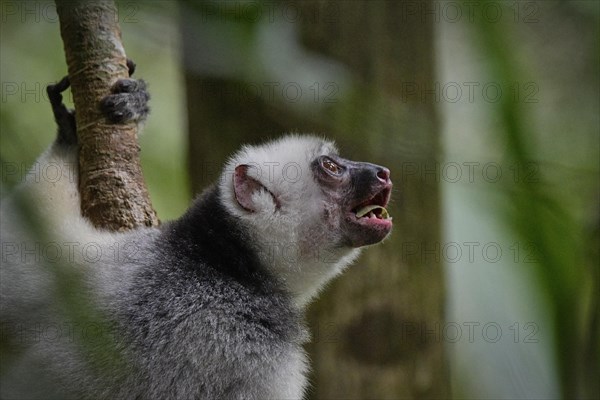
64,117
128,101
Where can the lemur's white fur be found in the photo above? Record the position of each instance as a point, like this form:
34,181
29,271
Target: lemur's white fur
292,237
307,256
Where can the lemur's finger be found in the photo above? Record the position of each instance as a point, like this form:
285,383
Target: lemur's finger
55,96
60,86
130,66
128,86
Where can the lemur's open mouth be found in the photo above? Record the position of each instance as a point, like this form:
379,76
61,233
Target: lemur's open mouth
366,220
374,207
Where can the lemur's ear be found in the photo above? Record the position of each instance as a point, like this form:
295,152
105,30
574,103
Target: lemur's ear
244,187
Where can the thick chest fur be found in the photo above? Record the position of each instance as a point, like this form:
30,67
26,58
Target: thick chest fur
201,334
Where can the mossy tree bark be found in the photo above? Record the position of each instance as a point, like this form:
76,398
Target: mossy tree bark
113,192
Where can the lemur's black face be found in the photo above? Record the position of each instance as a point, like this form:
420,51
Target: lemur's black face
362,191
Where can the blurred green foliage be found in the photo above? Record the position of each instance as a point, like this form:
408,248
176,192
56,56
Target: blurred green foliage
538,212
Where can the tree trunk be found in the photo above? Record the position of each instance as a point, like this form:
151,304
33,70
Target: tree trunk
113,192
379,328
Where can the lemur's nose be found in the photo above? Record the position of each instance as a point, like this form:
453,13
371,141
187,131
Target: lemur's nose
383,174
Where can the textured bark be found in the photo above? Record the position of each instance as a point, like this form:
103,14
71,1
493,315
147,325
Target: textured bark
113,193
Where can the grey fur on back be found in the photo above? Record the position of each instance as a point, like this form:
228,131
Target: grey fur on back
190,312
208,306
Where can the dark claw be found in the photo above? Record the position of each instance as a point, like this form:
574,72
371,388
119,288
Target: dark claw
130,66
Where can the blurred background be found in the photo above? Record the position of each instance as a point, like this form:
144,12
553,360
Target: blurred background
487,114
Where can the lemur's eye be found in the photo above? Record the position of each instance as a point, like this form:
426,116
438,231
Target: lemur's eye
330,166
